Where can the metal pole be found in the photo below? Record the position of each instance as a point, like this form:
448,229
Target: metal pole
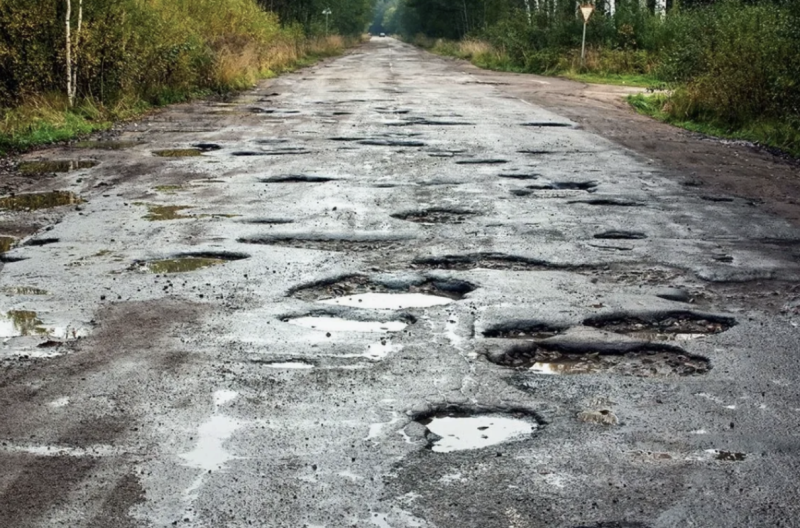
583,44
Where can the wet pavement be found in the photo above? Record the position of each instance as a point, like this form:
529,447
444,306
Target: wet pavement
376,292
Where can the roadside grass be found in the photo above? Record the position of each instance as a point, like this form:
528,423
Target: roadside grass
784,136
617,79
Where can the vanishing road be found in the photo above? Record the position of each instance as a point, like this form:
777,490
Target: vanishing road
386,292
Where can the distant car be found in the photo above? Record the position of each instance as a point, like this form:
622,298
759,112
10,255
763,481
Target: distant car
383,34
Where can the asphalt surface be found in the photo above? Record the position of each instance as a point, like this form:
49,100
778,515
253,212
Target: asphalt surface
232,396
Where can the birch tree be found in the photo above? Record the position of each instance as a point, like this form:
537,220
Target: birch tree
72,51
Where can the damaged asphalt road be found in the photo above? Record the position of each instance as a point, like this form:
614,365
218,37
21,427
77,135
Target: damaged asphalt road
377,293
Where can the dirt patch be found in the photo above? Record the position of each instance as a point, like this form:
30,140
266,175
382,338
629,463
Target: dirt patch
436,215
627,360
186,262
677,325
359,284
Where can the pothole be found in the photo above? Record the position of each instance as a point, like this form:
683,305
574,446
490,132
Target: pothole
520,176
535,152
523,330
498,261
271,141
268,221
391,143
547,124
159,213
23,290
16,323
287,365
436,215
669,326
428,122
564,186
360,291
727,456
496,161
299,178
464,429
39,167
332,323
107,145
35,201
41,242
328,243
612,202
6,243
207,147
620,235
622,359
178,153
710,198
190,262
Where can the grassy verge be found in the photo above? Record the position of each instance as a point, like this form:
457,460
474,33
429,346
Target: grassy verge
775,134
617,79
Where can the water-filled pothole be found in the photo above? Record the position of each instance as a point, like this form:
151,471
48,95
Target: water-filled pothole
333,323
520,176
668,326
459,429
107,145
39,167
547,124
268,221
178,153
207,147
23,290
35,201
495,161
299,178
6,243
613,202
361,291
158,213
17,323
499,261
391,143
624,359
190,262
615,234
564,186
328,243
41,242
523,330
436,215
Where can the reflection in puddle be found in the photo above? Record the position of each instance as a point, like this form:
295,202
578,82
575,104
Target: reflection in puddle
21,323
183,264
106,145
43,200
389,301
209,453
289,365
337,324
6,243
37,167
23,290
178,153
566,367
157,213
460,433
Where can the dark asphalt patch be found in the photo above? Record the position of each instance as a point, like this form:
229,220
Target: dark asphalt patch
359,284
436,215
620,235
624,359
663,326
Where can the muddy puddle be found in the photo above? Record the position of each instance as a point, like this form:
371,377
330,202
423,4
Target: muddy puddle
23,290
327,243
633,360
107,145
36,201
178,153
6,243
332,323
465,430
189,262
42,167
159,213
436,215
523,330
16,323
671,326
360,291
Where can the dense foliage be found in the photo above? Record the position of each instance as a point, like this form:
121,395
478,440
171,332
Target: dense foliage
732,64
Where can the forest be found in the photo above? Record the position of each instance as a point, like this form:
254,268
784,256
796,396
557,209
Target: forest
725,67
72,66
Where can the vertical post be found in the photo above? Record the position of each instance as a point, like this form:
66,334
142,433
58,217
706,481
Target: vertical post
583,45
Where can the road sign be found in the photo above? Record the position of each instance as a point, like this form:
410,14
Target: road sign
587,11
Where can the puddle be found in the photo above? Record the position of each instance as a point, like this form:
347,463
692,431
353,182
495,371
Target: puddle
362,291
178,153
39,167
288,365
209,454
523,330
338,324
670,326
534,152
107,145
621,235
547,124
23,290
427,122
436,215
564,186
41,242
191,262
497,261
299,178
628,360
612,202
268,221
206,147
327,243
481,162
17,323
6,243
464,431
520,176
391,143
158,213
35,201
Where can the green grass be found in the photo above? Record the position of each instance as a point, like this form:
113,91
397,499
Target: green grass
43,130
632,79
784,136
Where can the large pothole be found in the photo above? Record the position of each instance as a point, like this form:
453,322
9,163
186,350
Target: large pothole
523,329
361,291
328,242
333,322
497,261
436,215
668,326
298,178
627,359
465,429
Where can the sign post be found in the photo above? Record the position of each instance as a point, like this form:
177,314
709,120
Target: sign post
327,12
587,10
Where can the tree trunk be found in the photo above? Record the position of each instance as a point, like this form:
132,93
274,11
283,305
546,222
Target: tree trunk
528,11
69,52
75,53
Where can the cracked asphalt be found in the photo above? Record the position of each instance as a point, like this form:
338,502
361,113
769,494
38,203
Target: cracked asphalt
166,358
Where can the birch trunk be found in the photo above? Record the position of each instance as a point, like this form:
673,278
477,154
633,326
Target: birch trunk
75,53
69,52
528,11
